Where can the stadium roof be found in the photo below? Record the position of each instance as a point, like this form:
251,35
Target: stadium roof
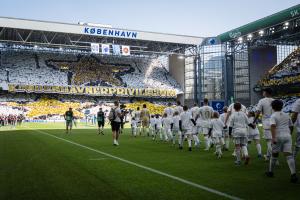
80,36
286,23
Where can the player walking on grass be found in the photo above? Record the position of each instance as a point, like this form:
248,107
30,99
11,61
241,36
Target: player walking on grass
133,127
69,117
296,121
157,127
238,128
264,108
152,125
225,130
101,121
204,118
137,116
216,132
230,111
115,121
186,124
196,129
145,117
175,127
253,134
166,122
281,129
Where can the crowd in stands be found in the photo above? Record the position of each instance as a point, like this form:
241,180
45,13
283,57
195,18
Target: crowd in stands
285,73
10,115
24,67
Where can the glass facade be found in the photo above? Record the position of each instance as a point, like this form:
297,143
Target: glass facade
211,70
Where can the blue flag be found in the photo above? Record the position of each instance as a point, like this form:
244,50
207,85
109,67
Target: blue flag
116,49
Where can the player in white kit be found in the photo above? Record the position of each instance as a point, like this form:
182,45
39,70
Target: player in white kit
169,110
238,127
196,129
186,124
166,122
281,127
152,125
216,131
178,108
205,114
158,125
137,116
133,127
175,127
253,134
225,130
230,111
296,121
264,107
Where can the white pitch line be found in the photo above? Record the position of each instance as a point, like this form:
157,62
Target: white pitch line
147,168
98,158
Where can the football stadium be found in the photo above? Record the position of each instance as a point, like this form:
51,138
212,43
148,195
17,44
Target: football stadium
91,111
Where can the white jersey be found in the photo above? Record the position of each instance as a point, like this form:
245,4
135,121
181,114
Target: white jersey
283,123
232,110
264,106
239,123
179,109
195,111
252,131
169,111
167,122
133,123
223,117
176,119
206,113
296,109
217,127
137,115
152,122
158,123
185,119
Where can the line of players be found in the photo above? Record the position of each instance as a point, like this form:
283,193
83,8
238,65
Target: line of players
236,123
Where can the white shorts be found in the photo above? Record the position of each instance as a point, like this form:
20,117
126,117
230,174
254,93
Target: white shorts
253,137
267,134
216,140
297,143
186,132
204,130
226,133
282,145
176,132
196,130
240,140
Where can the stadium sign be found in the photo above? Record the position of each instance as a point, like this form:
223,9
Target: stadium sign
110,32
94,91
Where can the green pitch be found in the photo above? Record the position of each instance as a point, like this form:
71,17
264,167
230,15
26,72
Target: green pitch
36,165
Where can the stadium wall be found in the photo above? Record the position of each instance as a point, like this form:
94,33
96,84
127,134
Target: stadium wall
176,69
261,59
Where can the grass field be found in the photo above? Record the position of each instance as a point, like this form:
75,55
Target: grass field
39,161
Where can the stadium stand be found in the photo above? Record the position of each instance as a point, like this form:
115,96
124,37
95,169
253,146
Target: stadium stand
285,73
34,68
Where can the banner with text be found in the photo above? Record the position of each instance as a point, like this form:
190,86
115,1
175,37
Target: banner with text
94,91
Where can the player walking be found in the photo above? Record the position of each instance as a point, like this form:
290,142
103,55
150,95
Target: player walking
101,121
281,129
69,117
296,121
264,107
145,117
115,121
206,113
